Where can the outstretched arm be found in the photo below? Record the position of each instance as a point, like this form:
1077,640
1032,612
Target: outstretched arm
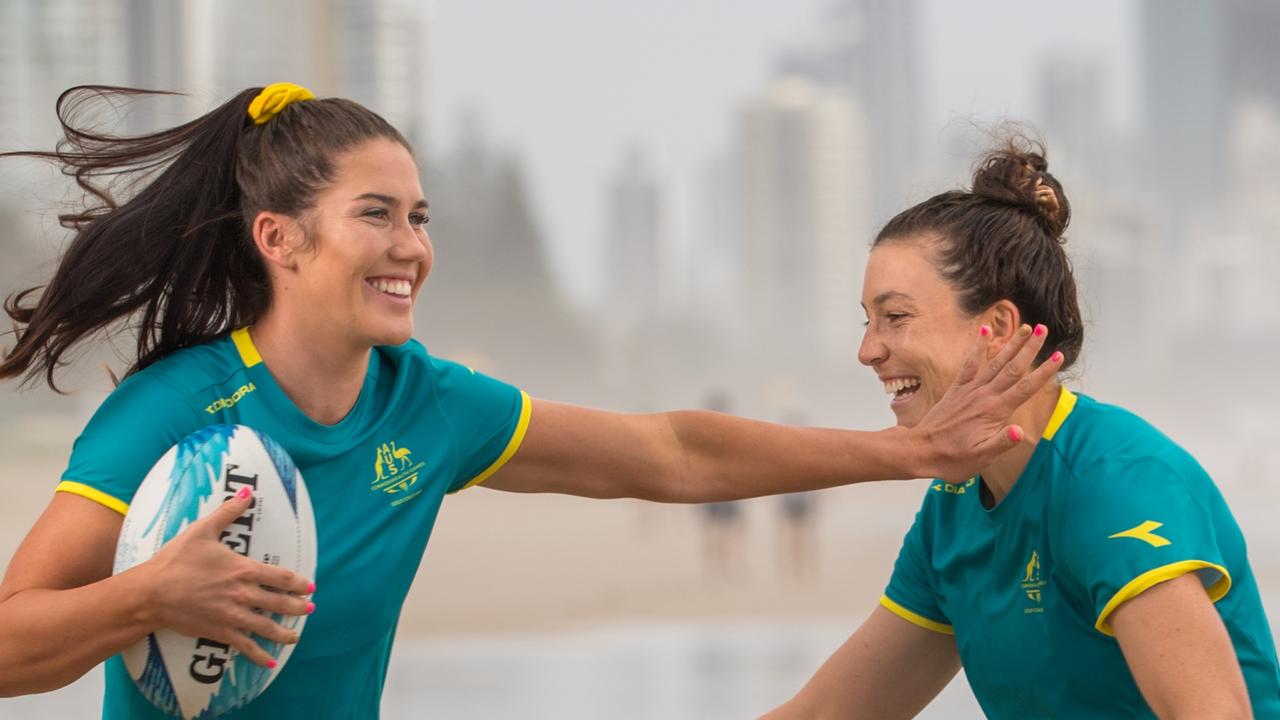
695,456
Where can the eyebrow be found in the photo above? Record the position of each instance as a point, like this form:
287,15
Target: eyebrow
887,296
387,199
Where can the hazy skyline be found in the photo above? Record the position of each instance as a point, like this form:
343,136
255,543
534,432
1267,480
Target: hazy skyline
568,84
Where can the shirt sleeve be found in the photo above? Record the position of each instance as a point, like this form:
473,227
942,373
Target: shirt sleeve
487,417
910,594
136,425
1128,525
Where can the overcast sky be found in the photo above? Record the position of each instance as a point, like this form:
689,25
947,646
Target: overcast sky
568,84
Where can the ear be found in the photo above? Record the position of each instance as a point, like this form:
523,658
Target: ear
1004,319
278,237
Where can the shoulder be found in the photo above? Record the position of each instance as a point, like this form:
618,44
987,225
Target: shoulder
192,370
1116,462
1104,443
412,362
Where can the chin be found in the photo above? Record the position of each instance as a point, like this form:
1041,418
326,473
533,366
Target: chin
908,417
391,336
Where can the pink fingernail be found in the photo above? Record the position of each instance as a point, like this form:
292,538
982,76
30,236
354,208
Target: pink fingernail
1056,357
311,607
1041,330
244,492
1015,434
311,588
984,331
271,664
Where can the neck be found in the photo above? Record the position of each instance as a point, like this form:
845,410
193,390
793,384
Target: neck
321,373
1032,416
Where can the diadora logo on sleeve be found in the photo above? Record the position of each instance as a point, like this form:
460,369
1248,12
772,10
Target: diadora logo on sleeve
396,474
1144,532
228,402
1032,583
953,488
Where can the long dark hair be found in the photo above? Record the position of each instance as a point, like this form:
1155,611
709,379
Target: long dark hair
1003,239
176,261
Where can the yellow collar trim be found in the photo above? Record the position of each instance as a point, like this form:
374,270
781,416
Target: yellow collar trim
244,344
1066,403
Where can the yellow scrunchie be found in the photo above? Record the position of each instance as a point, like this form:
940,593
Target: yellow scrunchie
274,98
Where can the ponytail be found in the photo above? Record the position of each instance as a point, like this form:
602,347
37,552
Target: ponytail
175,263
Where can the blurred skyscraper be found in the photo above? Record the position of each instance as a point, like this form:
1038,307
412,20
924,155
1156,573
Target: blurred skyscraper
371,51
803,153
634,257
869,50
1071,103
491,300
45,47
1202,62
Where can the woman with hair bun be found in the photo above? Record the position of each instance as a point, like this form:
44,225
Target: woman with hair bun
1095,571
268,258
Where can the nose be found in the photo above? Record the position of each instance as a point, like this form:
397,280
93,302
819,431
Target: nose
412,246
872,351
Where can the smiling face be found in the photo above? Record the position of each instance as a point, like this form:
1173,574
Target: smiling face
368,247
916,335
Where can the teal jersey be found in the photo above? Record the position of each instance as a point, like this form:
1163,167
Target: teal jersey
422,428
1106,508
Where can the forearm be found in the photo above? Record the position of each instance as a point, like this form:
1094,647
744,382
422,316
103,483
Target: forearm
729,458
49,638
697,456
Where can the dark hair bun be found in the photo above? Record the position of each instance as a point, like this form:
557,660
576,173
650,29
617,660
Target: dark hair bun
1018,174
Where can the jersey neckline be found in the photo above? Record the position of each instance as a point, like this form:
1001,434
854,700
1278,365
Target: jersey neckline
289,412
1061,412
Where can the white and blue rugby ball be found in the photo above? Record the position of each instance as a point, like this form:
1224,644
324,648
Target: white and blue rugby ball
198,677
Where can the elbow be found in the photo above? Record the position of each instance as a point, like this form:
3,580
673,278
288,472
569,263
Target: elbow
19,677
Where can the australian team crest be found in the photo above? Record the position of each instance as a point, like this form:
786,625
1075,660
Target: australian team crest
396,474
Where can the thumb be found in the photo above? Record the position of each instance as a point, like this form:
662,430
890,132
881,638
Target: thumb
228,511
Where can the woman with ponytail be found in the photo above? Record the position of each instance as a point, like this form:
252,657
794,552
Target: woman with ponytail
1094,571
267,257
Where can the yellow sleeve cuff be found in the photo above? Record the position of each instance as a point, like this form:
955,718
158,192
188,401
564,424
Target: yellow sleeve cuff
75,488
517,437
915,618
1151,578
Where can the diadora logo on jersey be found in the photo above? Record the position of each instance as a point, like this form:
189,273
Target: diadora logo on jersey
1146,533
1032,584
396,474
228,402
953,488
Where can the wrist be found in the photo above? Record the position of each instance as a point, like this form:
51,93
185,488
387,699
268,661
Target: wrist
138,584
913,454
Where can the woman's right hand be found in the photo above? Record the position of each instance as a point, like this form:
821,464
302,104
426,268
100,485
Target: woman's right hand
201,588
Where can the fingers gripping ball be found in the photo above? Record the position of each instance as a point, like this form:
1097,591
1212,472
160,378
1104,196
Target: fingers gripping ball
200,677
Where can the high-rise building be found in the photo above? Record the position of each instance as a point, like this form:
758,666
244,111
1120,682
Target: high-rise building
47,46
634,257
868,49
1202,61
371,51
1071,102
803,154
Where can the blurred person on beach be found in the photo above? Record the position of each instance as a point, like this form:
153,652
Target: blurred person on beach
1093,572
797,534
724,529
266,258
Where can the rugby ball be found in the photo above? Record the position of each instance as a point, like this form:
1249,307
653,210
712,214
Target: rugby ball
198,677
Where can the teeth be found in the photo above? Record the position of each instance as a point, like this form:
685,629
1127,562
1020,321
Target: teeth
897,385
392,287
